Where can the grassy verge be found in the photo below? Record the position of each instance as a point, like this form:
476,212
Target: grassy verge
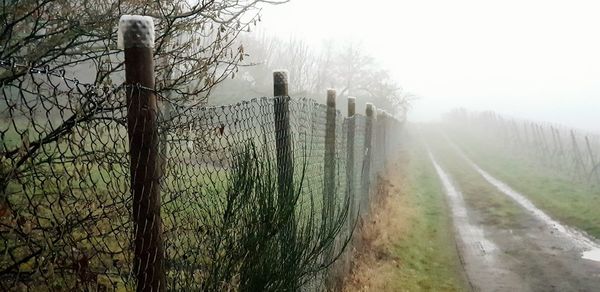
570,202
499,210
408,245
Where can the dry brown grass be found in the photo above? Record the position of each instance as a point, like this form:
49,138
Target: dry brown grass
373,262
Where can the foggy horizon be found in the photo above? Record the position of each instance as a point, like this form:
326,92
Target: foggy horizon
535,60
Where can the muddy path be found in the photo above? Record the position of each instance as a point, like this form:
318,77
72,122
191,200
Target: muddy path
535,254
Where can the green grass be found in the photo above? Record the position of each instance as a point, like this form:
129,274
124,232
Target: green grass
429,251
499,210
573,203
425,248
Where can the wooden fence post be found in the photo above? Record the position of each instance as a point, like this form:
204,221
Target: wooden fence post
560,145
285,169
329,187
350,177
378,141
136,35
545,145
283,144
329,161
384,130
593,172
366,169
579,166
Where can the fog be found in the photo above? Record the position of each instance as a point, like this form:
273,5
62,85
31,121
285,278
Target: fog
153,145
531,59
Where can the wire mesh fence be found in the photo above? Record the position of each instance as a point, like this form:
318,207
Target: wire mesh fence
567,152
65,195
70,218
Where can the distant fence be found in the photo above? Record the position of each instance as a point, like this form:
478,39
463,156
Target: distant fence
101,190
559,148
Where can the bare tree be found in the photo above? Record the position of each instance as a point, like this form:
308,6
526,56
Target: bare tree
63,142
314,70
195,47
195,40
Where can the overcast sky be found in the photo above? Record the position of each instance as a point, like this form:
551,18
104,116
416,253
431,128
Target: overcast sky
528,58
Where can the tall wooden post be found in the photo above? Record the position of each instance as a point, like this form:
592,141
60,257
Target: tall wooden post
136,34
351,106
366,171
329,188
285,169
384,144
377,146
560,145
546,149
350,177
283,144
329,161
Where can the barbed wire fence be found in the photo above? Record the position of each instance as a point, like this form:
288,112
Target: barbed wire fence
117,188
566,151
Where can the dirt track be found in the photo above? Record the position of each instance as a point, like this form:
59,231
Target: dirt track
538,254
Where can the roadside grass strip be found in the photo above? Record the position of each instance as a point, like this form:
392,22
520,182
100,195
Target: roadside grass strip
409,244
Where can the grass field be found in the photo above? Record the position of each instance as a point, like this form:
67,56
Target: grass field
575,204
478,193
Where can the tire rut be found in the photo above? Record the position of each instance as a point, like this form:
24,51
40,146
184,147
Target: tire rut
537,254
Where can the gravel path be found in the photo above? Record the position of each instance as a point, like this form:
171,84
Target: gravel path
539,255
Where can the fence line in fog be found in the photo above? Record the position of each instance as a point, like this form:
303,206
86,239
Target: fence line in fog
120,188
560,148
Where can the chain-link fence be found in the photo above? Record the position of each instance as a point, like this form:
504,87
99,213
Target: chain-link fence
568,152
101,190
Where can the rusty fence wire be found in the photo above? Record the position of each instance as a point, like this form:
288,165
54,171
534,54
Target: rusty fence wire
67,212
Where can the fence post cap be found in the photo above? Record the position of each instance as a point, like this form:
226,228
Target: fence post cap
281,76
280,82
351,106
135,31
331,95
370,110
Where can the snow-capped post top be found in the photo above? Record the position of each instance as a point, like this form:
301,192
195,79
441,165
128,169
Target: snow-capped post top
331,97
280,83
351,106
135,31
280,76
